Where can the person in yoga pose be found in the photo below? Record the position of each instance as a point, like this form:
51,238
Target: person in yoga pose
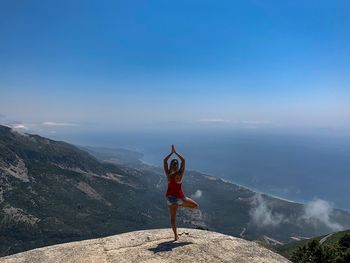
174,194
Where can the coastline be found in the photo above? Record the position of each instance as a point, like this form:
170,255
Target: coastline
301,202
232,182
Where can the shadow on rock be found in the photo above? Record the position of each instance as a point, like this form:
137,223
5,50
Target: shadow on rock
168,246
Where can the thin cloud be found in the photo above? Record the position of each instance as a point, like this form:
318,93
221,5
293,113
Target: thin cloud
262,215
214,120
320,211
59,124
197,194
18,125
316,212
257,122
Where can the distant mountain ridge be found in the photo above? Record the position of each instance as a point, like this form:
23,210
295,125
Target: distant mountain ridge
54,192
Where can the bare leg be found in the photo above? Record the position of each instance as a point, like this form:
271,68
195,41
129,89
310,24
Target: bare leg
189,203
172,213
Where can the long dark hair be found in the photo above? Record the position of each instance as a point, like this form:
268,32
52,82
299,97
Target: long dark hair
174,166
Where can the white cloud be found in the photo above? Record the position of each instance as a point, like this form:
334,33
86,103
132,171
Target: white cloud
262,215
257,122
62,124
214,120
319,211
197,194
18,125
18,128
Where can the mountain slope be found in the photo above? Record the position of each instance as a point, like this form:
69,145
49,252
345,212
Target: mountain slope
53,192
330,240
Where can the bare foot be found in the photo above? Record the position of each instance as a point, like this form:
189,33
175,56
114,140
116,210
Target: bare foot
176,237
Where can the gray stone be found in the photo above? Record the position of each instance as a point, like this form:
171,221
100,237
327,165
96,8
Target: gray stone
152,246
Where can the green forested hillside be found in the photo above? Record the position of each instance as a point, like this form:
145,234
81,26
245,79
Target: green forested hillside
334,247
53,192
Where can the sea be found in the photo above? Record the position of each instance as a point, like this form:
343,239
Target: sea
296,166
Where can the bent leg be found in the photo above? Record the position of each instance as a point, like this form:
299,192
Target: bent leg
172,214
189,203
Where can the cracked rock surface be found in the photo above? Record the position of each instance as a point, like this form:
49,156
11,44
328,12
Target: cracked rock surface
155,245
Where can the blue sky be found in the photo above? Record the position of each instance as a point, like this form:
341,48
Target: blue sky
138,64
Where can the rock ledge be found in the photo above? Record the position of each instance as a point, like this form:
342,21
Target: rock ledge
152,246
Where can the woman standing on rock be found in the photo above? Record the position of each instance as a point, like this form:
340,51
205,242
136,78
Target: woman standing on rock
175,196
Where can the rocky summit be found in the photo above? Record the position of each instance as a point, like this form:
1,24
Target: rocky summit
155,245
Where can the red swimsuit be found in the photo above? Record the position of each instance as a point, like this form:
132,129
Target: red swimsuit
174,188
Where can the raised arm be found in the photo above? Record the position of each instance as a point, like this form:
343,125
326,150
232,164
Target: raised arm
166,167
183,162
